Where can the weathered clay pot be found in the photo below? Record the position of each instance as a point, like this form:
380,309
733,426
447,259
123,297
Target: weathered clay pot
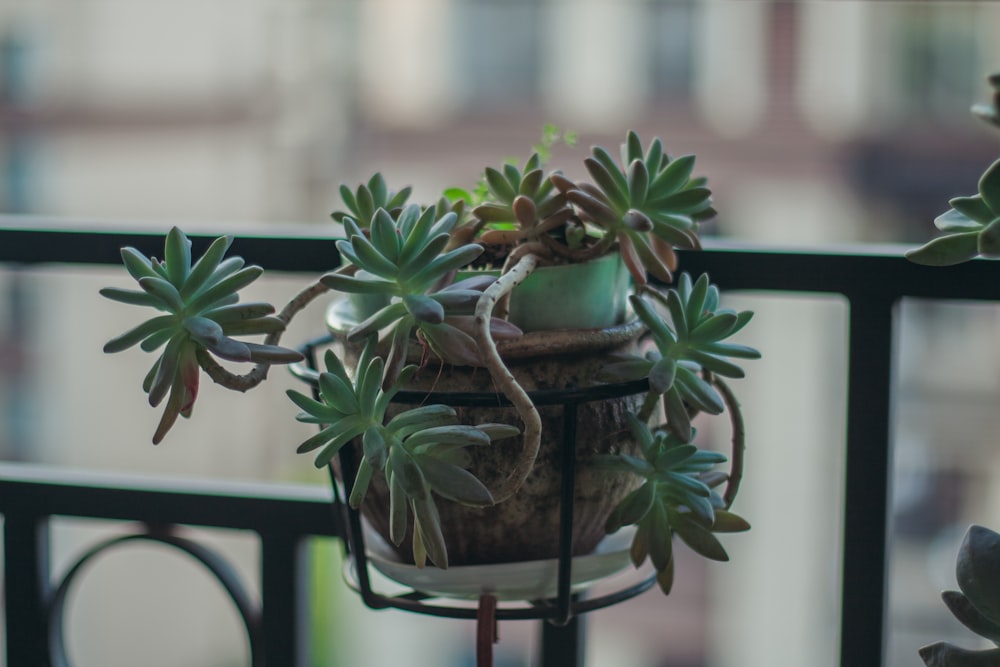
526,526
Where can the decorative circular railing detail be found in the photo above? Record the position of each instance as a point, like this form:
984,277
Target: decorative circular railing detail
212,561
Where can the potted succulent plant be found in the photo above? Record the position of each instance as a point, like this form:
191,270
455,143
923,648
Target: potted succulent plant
972,229
455,294
976,605
972,225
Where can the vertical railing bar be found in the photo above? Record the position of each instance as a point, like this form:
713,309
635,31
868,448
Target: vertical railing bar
283,605
867,481
562,645
26,575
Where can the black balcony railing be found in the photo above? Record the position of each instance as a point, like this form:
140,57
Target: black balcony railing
872,280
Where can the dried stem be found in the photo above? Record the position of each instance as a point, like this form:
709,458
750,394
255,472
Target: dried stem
503,378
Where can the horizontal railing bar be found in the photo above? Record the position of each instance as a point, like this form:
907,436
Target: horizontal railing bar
861,272
52,491
858,271
292,248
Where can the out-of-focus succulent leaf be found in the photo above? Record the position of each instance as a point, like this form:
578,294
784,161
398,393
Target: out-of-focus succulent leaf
946,250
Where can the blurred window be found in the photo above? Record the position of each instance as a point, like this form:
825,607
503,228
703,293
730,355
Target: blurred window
498,50
671,29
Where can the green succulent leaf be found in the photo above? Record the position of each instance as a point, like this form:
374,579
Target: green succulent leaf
139,333
451,344
616,189
362,479
638,183
423,417
456,434
698,393
728,522
633,508
672,177
361,203
130,297
419,451
946,250
662,374
623,463
357,285
989,187
989,239
674,497
427,533
177,255
500,186
375,448
962,609
424,308
398,508
977,570
701,540
454,483
658,534
205,266
200,302
138,265
155,341
971,210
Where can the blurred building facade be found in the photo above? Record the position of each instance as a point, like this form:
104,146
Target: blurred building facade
817,123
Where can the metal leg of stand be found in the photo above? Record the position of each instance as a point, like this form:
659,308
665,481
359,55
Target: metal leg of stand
561,645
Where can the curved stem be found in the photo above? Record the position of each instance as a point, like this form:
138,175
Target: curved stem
503,378
739,440
258,374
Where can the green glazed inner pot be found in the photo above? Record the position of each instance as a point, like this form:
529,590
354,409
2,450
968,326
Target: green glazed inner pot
588,295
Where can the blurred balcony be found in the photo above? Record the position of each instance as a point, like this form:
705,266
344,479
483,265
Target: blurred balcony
874,284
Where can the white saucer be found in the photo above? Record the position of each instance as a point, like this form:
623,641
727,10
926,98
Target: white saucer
529,580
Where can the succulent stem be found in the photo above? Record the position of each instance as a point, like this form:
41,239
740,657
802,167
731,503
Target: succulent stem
739,439
258,374
533,248
503,378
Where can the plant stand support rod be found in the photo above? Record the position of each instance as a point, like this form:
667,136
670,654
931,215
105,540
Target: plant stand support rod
561,645
567,493
487,630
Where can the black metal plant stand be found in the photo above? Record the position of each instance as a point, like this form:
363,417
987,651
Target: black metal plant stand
561,643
